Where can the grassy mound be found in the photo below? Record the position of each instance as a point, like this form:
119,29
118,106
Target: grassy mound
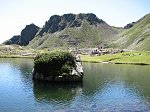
54,64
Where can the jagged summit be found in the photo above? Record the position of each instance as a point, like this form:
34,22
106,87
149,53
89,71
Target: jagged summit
84,30
27,34
58,23
55,23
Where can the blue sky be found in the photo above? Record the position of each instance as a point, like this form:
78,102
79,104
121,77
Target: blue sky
16,14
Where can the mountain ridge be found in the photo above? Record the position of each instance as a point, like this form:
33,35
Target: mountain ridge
26,35
137,37
84,30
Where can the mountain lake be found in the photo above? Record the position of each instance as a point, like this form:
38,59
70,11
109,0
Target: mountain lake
105,87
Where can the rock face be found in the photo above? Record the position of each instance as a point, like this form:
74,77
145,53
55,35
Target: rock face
27,34
67,70
58,23
130,25
13,40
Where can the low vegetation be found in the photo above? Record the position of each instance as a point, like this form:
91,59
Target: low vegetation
133,57
55,63
84,31
137,37
142,58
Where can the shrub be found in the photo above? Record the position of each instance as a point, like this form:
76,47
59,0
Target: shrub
65,69
54,63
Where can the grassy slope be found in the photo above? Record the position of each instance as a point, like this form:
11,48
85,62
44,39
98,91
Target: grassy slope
124,58
137,37
86,35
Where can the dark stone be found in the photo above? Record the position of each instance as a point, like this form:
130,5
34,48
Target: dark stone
13,40
54,24
68,17
58,23
27,34
130,25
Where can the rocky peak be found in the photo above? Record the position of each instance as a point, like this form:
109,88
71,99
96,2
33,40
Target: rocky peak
54,24
68,17
58,23
27,34
130,25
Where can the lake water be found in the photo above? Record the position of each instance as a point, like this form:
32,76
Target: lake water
106,88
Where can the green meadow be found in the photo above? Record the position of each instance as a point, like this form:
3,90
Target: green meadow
140,57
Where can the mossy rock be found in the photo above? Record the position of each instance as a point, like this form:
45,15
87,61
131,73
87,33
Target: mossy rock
55,66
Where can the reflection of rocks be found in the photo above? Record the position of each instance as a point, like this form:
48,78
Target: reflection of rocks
62,78
56,91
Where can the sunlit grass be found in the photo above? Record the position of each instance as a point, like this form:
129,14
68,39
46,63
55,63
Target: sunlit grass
125,58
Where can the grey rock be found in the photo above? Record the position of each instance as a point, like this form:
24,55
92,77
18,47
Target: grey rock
54,24
13,40
58,23
27,34
130,25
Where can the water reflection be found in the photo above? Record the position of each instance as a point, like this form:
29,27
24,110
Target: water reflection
105,87
58,96
58,92
119,87
15,85
131,76
21,69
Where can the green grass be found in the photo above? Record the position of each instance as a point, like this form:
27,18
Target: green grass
138,57
137,37
54,63
86,36
142,58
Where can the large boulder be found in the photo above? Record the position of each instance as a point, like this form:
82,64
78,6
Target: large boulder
57,67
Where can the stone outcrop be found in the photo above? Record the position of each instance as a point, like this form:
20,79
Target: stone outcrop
130,25
58,23
75,73
27,34
13,40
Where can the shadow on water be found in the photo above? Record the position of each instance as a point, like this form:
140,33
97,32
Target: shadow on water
56,91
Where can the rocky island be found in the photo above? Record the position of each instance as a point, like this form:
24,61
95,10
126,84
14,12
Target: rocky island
57,67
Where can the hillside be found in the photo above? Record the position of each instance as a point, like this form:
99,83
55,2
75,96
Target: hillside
84,31
69,30
136,37
84,36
